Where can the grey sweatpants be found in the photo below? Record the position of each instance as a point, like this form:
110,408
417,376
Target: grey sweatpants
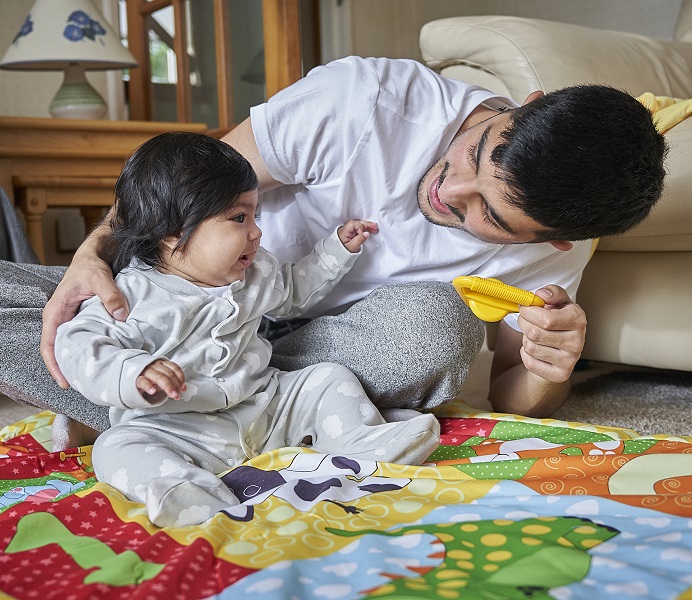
410,345
170,461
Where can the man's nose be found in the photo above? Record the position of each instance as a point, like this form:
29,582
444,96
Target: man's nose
458,191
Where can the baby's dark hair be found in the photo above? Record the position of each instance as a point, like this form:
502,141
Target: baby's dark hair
585,161
172,183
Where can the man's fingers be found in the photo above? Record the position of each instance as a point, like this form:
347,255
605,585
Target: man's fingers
52,319
114,302
553,295
48,354
544,369
84,279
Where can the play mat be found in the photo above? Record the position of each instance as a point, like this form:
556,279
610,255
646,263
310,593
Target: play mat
508,507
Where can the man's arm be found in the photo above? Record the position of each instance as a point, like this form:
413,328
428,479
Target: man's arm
88,275
531,369
243,140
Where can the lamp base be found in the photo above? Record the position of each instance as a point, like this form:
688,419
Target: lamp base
76,99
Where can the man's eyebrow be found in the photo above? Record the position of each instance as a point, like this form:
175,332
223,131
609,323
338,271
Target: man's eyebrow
479,157
481,146
497,218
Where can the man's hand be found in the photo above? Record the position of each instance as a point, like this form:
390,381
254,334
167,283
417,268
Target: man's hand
87,276
531,369
554,335
354,233
160,380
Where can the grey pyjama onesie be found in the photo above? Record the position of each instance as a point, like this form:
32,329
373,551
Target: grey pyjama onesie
234,400
168,462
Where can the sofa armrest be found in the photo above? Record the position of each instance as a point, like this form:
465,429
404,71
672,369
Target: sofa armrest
515,56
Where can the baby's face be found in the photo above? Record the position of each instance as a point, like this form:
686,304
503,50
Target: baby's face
222,247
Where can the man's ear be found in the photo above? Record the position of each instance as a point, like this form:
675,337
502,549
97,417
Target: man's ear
533,96
561,245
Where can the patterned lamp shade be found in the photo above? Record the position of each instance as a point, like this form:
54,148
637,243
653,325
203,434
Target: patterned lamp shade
73,36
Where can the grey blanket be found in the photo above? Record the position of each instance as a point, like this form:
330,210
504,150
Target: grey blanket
25,287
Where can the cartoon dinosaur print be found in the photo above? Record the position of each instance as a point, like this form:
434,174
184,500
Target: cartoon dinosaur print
49,491
8,450
39,529
498,558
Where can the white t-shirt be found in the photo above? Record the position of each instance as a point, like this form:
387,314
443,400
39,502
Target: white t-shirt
352,139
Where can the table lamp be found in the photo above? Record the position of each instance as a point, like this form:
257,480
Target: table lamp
73,36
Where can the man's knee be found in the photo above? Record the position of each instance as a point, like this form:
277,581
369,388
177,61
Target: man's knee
410,345
427,319
27,286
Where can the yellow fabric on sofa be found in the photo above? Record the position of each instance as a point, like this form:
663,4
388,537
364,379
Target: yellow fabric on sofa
667,111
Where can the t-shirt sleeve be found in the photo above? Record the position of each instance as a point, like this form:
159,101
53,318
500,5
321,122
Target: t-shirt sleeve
306,132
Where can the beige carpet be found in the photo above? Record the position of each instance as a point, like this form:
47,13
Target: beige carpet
11,411
649,401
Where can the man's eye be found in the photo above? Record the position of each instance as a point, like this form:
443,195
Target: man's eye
472,153
487,218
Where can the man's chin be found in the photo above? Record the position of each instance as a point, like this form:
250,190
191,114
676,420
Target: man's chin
432,217
436,219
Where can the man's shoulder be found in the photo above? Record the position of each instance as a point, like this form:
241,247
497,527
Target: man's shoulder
357,74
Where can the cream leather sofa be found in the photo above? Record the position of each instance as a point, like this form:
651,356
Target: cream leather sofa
637,288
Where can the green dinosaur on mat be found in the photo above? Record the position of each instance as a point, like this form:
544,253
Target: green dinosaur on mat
486,560
39,529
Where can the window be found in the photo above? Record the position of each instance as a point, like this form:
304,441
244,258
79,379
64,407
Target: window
210,60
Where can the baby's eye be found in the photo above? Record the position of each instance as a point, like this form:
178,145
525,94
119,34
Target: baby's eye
239,218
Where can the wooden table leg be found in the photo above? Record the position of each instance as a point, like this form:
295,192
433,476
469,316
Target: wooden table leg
92,216
33,205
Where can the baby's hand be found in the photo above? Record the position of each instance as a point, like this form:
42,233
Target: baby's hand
160,380
354,233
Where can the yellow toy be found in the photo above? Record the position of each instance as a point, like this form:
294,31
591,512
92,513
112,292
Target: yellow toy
490,299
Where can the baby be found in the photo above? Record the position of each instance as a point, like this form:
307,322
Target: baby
187,376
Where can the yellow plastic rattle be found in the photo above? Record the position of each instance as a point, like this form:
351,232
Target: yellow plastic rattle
490,299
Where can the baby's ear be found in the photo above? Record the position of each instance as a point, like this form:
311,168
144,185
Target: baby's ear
171,241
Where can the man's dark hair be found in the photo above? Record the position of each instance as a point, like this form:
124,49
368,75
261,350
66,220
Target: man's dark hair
172,183
585,161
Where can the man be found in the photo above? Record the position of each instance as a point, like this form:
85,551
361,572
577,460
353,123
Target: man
461,182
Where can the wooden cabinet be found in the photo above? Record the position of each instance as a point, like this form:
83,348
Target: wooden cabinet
68,163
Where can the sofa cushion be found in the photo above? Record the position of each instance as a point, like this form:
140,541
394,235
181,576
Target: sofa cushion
515,56
669,227
512,50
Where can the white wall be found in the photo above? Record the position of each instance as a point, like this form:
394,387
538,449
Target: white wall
391,27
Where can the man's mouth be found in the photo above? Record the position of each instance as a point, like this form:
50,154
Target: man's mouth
435,203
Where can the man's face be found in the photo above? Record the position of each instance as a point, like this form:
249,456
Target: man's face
461,191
